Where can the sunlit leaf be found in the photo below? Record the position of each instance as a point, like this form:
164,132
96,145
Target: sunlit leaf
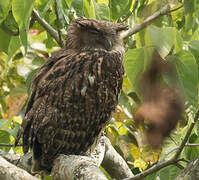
135,62
22,11
101,11
189,6
163,46
4,138
4,9
88,6
187,72
119,8
169,173
6,40
78,6
14,45
69,2
194,47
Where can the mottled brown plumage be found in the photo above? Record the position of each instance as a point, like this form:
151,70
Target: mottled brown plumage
74,93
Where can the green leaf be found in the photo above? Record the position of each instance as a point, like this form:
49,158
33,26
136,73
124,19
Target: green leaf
62,12
192,152
68,2
187,71
163,38
23,37
168,173
194,47
195,36
178,42
150,177
189,6
14,45
196,128
3,104
4,138
5,40
47,178
4,123
88,6
46,8
102,11
22,11
78,6
4,9
135,62
119,8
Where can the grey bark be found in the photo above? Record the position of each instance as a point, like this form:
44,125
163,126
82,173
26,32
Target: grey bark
9,171
114,164
191,172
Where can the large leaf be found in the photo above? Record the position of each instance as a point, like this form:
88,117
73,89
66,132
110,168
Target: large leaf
168,173
14,45
189,6
163,38
187,71
194,48
192,152
78,6
4,9
68,2
88,6
135,63
102,11
4,41
119,8
22,10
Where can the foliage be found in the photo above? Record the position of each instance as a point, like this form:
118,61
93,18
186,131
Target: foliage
25,45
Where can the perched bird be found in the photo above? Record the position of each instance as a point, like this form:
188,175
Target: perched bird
74,94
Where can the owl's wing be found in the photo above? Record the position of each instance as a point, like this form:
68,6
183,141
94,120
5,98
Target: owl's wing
33,89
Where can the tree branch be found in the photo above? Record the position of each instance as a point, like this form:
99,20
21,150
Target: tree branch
57,23
11,172
191,171
149,20
24,162
173,160
9,145
184,141
80,167
46,26
114,164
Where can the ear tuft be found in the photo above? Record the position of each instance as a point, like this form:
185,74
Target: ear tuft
121,27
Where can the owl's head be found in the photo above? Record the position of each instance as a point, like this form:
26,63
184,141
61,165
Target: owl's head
88,34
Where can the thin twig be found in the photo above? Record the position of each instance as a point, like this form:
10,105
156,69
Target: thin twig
172,10
184,160
57,23
149,20
130,13
151,170
9,145
179,166
46,26
191,144
184,141
173,160
146,22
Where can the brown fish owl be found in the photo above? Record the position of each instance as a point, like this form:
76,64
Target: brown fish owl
74,94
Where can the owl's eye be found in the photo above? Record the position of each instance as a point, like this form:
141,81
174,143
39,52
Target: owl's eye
94,31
